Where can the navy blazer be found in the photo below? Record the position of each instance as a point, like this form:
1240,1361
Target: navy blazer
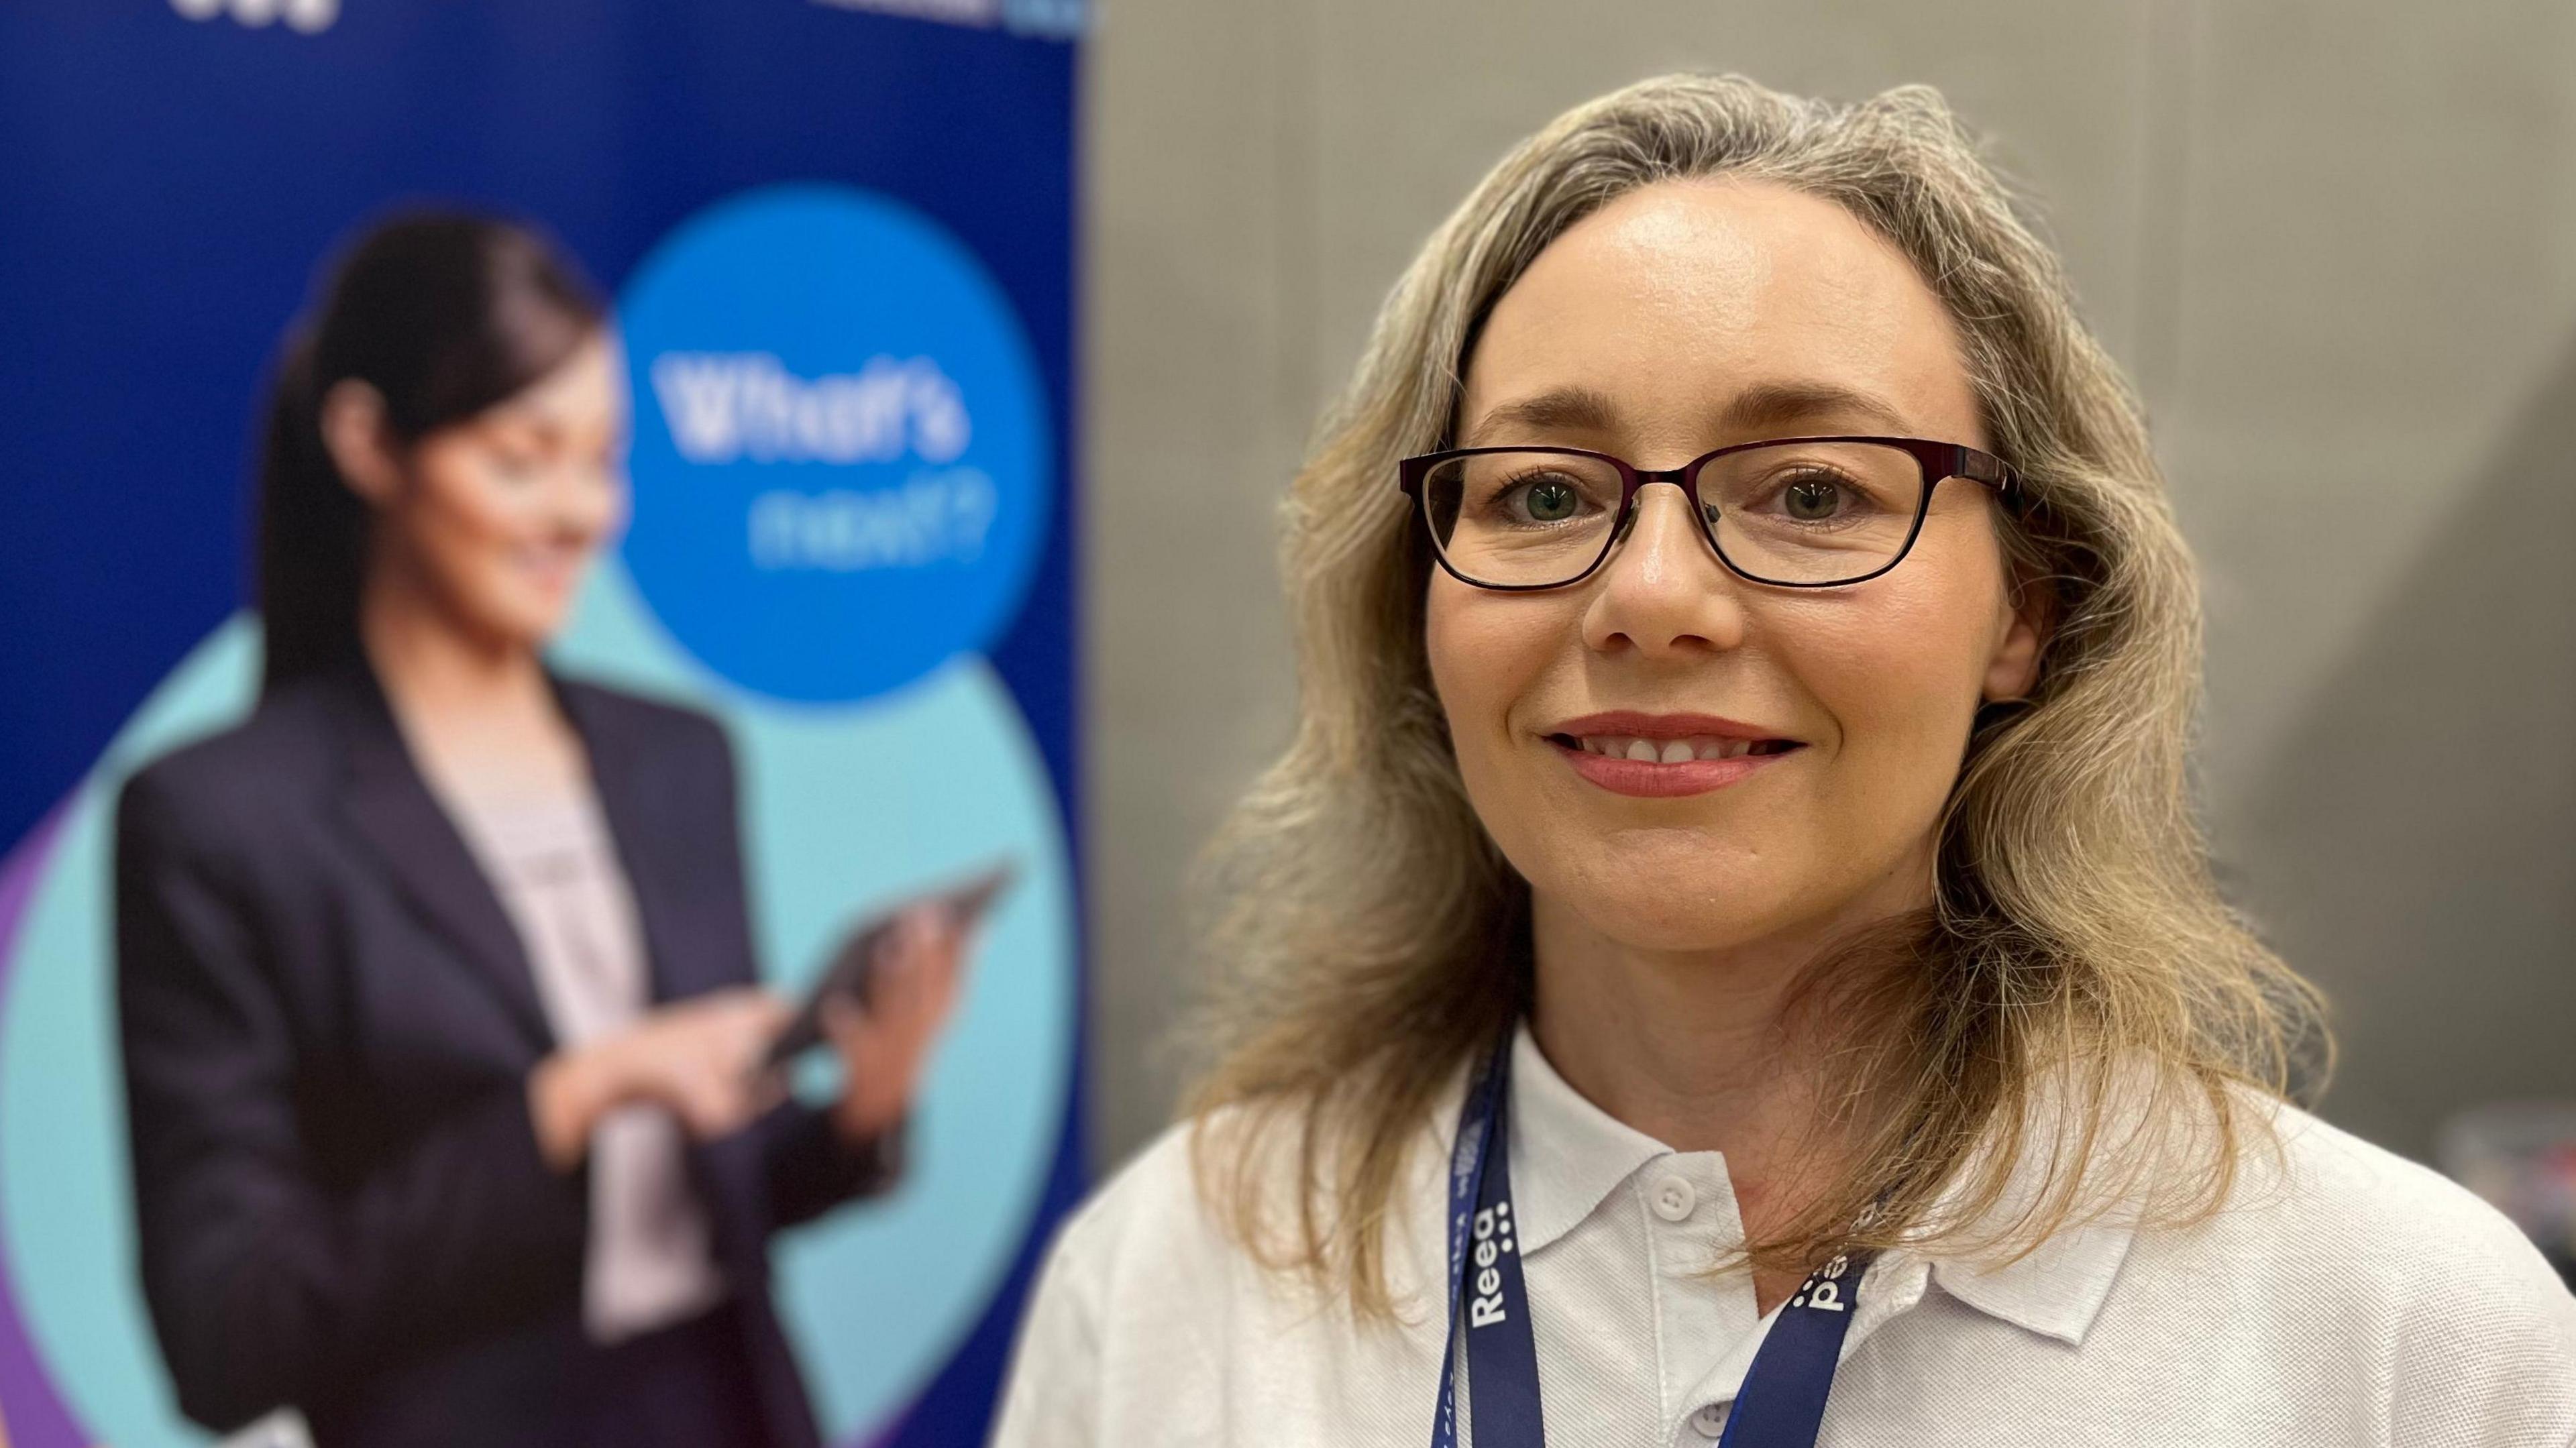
328,1024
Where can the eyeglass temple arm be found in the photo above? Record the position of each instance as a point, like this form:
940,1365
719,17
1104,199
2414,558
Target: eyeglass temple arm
1984,467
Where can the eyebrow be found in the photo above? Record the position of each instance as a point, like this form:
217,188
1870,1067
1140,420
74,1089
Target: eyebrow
1771,404
1760,406
1559,409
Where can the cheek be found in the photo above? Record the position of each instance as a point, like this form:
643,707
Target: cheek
1486,651
465,512
1447,644
1897,667
465,526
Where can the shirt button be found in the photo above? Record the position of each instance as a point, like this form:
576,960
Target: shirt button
1673,1199
1710,1422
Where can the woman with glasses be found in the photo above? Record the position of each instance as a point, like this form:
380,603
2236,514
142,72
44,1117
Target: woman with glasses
1727,956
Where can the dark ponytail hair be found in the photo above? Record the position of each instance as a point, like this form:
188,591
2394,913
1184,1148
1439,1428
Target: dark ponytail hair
444,314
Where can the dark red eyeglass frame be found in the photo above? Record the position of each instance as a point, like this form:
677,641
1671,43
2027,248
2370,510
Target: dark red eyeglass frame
1939,460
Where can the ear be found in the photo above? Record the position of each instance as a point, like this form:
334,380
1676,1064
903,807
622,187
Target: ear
353,431
2026,617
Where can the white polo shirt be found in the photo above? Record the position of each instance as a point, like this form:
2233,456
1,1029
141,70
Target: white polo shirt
2360,1300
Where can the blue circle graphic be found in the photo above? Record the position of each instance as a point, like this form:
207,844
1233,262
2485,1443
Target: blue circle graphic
842,463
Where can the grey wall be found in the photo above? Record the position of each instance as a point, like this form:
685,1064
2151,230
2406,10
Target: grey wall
2336,244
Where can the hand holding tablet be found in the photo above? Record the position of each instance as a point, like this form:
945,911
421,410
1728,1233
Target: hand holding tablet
853,987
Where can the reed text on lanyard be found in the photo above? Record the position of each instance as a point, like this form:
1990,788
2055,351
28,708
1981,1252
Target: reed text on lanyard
1782,1401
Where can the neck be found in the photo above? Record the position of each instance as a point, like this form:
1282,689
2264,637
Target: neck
1686,1049
460,696
1697,1049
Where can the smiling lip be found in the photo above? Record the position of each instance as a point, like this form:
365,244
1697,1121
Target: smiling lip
1713,752
552,567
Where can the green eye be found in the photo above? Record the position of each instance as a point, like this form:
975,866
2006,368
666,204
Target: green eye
1552,502
1813,500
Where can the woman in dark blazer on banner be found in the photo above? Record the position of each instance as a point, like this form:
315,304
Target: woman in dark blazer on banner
436,982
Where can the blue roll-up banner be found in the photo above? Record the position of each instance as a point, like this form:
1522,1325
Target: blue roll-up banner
835,236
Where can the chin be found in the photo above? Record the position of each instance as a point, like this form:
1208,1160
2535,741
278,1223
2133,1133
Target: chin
1667,911
1680,889
1682,926
525,623
540,608
538,631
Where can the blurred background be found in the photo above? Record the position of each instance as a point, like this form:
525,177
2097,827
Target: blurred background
265,1143
2334,246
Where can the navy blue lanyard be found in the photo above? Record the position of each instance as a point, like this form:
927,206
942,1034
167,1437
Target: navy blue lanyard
1782,1402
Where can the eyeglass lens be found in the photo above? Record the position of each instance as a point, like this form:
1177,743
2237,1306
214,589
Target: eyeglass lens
1793,512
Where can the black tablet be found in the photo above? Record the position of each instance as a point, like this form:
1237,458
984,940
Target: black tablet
851,971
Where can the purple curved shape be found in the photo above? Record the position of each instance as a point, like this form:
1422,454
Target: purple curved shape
34,1411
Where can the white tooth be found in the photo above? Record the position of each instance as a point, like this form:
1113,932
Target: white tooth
1710,749
1591,745
1643,751
1677,751
1738,748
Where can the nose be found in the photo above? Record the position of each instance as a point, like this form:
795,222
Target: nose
1664,594
588,500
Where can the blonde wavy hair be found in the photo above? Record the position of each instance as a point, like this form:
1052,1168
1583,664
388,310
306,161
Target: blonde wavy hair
1371,940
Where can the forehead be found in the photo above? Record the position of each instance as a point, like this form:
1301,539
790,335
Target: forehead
1679,301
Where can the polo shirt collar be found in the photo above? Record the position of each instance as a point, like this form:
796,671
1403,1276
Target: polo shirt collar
1568,1155
2056,1289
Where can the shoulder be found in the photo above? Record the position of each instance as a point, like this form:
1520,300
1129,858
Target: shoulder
1150,1220
1166,1229
1215,1211
275,760
1135,1285
2401,1228
643,717
664,735
1132,1272
1166,1318
2391,1272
